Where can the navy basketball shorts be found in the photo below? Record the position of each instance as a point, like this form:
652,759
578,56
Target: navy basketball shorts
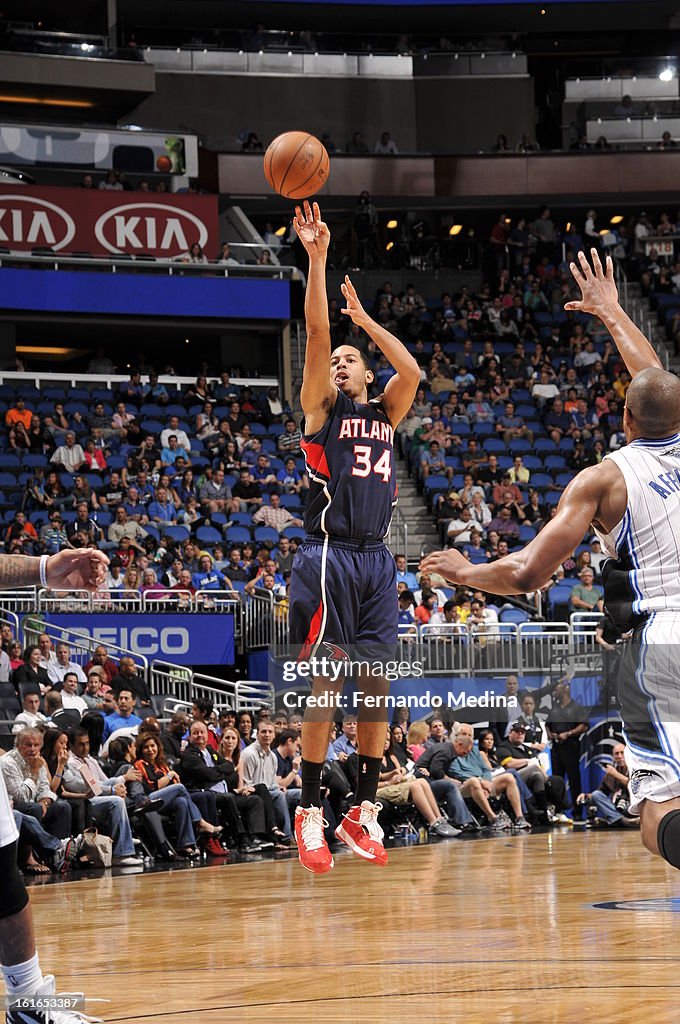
343,594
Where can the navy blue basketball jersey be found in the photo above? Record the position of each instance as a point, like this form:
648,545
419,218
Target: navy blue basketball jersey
352,480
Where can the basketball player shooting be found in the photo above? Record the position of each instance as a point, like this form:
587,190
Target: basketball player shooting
343,588
631,500
31,997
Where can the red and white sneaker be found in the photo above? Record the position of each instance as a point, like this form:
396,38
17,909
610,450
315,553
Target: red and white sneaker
313,852
359,828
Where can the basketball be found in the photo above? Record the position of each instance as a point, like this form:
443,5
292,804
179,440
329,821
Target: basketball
163,163
296,165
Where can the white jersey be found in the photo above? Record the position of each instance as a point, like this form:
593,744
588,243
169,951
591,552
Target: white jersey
646,542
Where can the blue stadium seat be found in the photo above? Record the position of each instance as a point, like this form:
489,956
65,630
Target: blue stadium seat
180,533
513,615
238,535
555,462
35,460
558,594
527,533
266,535
539,480
208,535
176,410
484,429
290,501
438,482
150,409
493,444
532,462
552,498
152,426
562,479
519,445
10,461
544,444
258,429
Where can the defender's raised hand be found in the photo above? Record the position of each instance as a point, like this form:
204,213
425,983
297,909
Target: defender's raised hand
311,230
598,289
353,307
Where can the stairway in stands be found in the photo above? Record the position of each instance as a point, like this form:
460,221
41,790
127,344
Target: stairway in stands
422,534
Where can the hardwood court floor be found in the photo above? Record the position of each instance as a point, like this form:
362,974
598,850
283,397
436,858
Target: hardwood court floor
497,930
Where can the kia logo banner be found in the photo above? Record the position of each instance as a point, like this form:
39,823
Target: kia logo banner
106,223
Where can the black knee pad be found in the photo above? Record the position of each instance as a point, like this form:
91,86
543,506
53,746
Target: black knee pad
13,895
668,838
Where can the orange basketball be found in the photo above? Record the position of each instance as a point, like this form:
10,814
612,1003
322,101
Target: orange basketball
296,165
163,163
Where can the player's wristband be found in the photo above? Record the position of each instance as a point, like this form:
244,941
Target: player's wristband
42,571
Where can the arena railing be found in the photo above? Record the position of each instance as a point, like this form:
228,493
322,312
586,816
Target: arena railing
82,644
171,681
397,535
155,265
83,379
635,309
265,622
243,694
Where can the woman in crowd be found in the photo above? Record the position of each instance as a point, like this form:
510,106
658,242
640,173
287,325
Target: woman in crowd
82,492
415,739
14,653
399,744
254,803
32,671
55,751
164,784
95,459
185,489
244,724
132,580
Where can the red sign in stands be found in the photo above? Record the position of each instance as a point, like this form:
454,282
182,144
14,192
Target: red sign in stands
106,223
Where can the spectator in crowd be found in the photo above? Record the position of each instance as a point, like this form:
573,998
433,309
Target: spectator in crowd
258,766
109,184
289,442
275,516
84,775
93,695
70,455
28,784
612,798
70,699
204,769
585,596
129,680
386,146
122,717
32,671
30,716
478,782
62,664
100,659
163,784
172,736
566,724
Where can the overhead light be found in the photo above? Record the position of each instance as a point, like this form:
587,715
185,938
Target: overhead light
568,227
186,341
280,232
666,75
391,225
81,104
390,245
455,229
603,231
508,221
617,219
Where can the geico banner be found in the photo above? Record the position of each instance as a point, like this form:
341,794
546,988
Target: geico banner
106,223
182,639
